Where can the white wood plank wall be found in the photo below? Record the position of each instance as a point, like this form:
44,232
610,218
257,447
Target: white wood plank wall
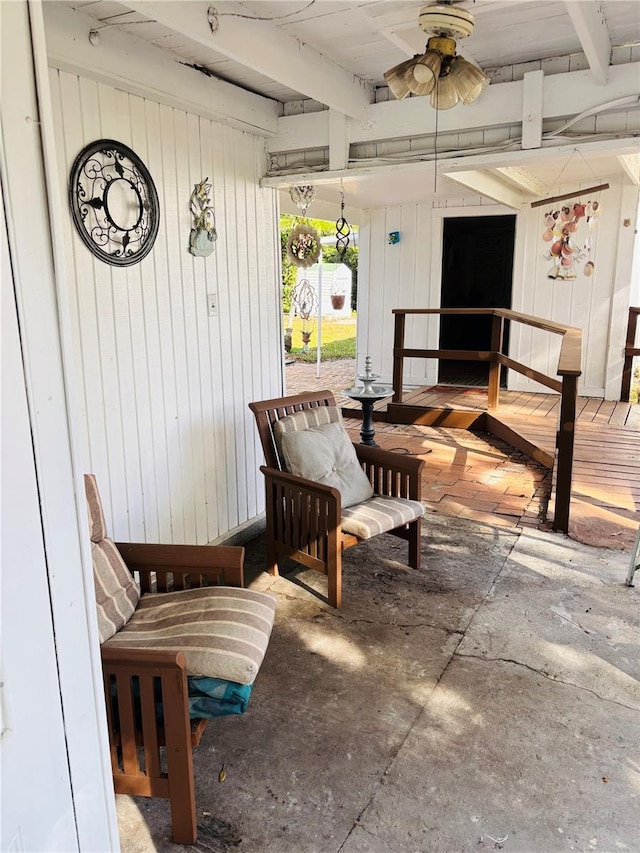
166,427
408,275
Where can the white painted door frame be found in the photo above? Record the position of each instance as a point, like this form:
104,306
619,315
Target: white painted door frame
435,278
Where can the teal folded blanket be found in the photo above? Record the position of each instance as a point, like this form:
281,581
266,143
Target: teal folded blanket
213,697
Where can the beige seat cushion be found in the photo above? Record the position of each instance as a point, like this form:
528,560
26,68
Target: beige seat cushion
223,631
379,515
315,445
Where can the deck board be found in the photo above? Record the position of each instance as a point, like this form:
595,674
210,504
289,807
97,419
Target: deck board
606,466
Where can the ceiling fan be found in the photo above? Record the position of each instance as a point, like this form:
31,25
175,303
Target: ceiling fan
439,71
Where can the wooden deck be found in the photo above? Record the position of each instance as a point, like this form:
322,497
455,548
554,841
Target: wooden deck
606,466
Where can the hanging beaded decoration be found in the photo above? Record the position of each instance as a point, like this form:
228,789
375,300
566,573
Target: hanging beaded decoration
342,229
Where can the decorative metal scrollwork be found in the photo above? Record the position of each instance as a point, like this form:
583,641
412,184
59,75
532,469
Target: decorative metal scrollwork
114,203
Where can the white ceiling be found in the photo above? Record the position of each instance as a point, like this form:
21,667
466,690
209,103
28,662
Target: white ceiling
367,38
337,52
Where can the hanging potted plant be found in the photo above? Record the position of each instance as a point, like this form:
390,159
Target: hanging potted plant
303,245
337,297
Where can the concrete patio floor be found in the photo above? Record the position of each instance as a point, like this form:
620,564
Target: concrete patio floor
490,700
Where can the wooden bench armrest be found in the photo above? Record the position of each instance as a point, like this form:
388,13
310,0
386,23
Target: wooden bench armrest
392,473
310,487
116,657
183,566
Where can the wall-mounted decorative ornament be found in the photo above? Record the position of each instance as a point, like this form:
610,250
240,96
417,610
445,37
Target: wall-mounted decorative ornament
393,237
342,230
562,228
303,245
203,234
114,203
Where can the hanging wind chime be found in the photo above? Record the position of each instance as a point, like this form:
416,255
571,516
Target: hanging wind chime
343,231
303,250
562,225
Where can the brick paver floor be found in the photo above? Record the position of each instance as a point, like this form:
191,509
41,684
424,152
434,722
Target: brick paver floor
470,475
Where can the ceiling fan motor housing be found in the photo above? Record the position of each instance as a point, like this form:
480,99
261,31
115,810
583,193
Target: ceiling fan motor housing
449,21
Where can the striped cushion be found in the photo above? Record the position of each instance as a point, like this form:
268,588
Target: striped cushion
97,525
223,631
117,594
379,515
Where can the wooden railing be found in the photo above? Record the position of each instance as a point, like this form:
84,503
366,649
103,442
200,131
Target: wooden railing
569,369
630,350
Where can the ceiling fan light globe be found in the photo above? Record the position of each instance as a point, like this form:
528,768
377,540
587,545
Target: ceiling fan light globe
395,79
469,80
445,95
422,76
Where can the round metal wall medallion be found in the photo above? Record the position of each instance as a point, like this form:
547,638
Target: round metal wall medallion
114,203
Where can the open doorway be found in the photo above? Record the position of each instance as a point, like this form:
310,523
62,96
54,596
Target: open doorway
477,272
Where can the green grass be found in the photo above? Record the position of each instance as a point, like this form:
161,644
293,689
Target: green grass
338,339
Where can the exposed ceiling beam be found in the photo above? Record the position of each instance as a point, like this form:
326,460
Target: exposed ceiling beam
265,48
490,186
522,179
590,25
501,104
631,164
122,60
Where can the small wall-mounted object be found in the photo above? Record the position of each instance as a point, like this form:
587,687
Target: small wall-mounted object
114,203
393,237
203,234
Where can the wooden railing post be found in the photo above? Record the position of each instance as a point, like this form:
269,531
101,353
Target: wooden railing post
398,357
493,391
565,442
630,350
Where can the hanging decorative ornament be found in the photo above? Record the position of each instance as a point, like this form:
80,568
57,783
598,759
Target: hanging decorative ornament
303,197
342,230
305,302
303,245
305,299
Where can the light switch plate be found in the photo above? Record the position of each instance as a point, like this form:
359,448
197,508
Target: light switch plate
212,304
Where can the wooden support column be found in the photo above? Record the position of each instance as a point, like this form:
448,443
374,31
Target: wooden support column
398,357
338,141
532,95
493,391
630,350
565,442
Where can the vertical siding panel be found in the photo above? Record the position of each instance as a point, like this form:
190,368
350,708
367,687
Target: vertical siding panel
185,350
173,330
407,285
126,316
252,289
166,388
195,302
142,325
80,127
206,283
159,345
235,249
220,342
98,109
65,156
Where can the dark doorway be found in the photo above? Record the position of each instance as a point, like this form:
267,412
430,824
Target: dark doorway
477,271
